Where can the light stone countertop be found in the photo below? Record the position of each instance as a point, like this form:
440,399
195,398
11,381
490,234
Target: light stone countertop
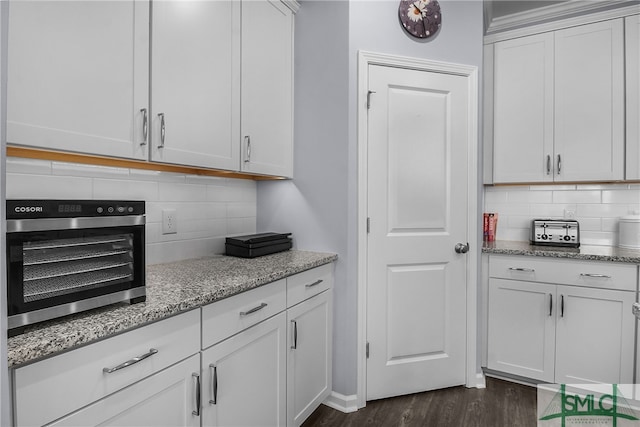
172,288
584,252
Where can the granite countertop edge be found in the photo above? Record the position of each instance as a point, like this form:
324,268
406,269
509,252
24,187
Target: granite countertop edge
172,288
585,252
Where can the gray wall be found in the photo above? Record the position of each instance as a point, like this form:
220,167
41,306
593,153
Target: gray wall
320,205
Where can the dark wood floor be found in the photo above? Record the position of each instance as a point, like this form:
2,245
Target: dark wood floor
501,404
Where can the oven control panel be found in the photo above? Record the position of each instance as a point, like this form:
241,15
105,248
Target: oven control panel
555,232
25,209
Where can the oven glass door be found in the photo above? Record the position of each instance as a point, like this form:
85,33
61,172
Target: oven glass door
52,268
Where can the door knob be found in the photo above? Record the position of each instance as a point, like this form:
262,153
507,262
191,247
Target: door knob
462,248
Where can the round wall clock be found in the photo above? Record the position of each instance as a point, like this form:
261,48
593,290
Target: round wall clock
420,18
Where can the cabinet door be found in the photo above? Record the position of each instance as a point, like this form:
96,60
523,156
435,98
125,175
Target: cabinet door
244,377
167,398
589,102
594,336
195,78
267,88
78,76
521,328
632,44
309,356
523,109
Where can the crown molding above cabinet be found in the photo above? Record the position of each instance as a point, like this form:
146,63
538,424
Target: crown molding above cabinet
557,16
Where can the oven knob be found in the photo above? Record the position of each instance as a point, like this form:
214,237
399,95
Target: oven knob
100,210
110,209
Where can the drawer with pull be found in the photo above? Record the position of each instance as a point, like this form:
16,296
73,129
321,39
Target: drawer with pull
304,285
227,317
593,274
53,387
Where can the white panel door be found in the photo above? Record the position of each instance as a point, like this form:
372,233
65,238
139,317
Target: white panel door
418,129
309,356
77,77
595,336
632,58
244,377
521,328
195,83
168,398
523,109
589,102
267,88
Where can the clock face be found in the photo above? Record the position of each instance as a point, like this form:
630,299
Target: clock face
420,18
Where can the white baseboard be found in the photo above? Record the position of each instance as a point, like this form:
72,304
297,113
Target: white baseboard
481,381
342,403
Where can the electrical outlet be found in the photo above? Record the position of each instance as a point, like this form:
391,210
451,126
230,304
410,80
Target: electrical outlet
169,221
569,214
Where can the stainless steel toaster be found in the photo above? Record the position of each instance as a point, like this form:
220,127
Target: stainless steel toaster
555,232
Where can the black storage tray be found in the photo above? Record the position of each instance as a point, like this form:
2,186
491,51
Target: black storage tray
252,252
252,239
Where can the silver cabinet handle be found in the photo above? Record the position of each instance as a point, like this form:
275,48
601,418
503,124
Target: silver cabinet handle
311,285
145,126
247,140
214,384
559,164
548,164
162,130
561,305
550,305
602,276
130,362
526,270
253,310
198,396
295,335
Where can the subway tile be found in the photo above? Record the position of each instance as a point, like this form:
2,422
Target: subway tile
495,197
621,196
23,186
216,193
178,192
601,210
590,224
91,171
529,197
516,221
610,224
602,187
241,226
205,180
509,209
577,196
125,189
547,211
598,238
28,166
544,187
241,210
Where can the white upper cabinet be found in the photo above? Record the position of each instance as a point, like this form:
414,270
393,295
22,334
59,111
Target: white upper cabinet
559,105
195,83
267,88
523,109
589,102
78,76
632,44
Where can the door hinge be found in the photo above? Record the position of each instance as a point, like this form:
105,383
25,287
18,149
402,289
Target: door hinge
369,98
367,350
368,225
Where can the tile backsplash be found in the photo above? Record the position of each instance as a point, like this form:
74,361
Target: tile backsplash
597,208
207,208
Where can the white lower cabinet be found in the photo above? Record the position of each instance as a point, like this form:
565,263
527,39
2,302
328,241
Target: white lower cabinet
309,356
168,398
561,333
245,377
95,375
